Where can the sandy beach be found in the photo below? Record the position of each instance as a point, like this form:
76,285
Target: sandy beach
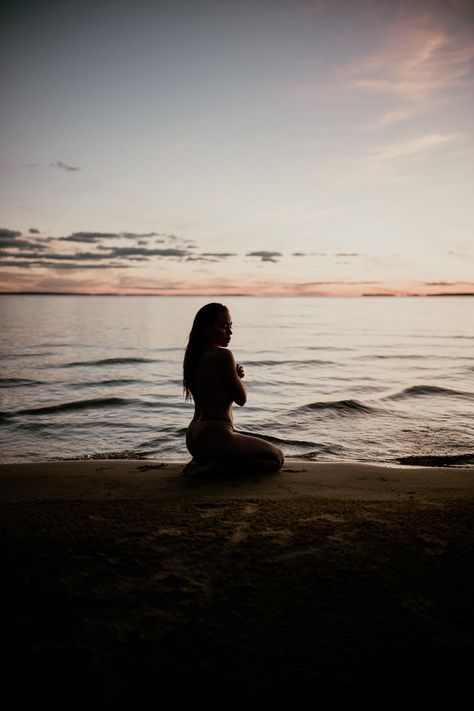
125,582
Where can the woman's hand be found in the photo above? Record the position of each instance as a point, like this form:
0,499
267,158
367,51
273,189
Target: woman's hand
240,370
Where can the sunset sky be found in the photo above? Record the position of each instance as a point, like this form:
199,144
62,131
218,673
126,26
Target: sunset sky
265,147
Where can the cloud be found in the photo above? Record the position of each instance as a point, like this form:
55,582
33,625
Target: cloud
448,283
220,255
26,263
414,146
9,240
94,237
461,255
81,256
144,252
135,235
415,62
18,252
132,284
19,244
132,253
395,116
325,254
69,283
89,237
309,254
265,256
216,256
210,256
8,234
341,281
63,166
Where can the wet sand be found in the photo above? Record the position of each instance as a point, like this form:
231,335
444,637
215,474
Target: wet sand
125,583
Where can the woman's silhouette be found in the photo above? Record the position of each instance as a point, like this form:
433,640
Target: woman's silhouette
214,381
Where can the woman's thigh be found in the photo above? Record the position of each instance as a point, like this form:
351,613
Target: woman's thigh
216,440
248,447
206,439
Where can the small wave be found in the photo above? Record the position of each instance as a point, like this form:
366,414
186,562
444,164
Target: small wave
393,356
323,451
171,404
16,356
18,382
412,356
283,441
123,454
169,350
420,390
114,381
341,407
438,460
107,361
288,362
328,348
307,456
93,404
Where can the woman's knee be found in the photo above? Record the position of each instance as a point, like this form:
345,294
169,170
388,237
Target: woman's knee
281,458
278,457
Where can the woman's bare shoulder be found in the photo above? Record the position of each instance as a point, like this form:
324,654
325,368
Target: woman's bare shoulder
219,352
220,355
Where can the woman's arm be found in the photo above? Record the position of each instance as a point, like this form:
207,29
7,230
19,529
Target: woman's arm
232,375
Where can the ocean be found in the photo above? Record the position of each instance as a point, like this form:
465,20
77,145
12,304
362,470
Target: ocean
387,380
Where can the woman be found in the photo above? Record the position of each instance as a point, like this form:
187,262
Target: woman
214,381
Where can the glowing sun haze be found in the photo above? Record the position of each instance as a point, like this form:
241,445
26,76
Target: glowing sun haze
271,147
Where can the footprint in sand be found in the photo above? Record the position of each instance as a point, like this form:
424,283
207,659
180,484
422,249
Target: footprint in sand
241,532
281,536
209,509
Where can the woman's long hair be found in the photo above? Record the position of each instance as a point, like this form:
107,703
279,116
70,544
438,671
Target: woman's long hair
198,342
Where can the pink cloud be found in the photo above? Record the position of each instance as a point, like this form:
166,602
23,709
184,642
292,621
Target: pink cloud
415,62
34,281
414,146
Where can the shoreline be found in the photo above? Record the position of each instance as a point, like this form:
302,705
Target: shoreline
138,478
127,582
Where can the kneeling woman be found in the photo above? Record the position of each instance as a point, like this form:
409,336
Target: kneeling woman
214,381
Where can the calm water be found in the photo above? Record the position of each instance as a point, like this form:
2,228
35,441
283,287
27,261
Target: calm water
368,379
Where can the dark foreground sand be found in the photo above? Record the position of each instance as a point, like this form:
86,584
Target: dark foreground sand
125,584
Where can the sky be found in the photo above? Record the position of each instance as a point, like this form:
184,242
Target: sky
305,147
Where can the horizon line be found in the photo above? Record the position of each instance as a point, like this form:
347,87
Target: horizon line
236,294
